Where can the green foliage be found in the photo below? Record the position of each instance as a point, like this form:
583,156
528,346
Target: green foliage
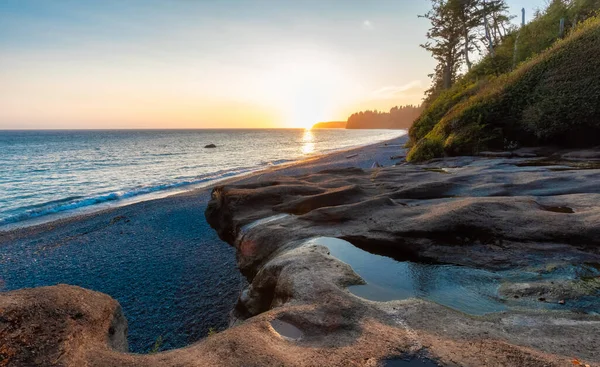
426,149
212,331
552,97
157,344
455,33
434,112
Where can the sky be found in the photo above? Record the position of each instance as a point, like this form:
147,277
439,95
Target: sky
77,64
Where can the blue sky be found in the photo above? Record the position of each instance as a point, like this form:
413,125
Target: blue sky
185,63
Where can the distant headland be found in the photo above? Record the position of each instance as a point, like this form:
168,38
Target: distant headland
330,125
399,117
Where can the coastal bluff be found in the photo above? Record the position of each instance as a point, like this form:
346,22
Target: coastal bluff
534,211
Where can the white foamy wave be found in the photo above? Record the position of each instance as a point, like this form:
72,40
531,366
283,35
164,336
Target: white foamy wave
49,172
58,206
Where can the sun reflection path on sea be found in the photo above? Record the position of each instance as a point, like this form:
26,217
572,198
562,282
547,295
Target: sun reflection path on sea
308,145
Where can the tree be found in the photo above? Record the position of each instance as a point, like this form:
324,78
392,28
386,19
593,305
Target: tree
468,13
491,16
496,22
455,33
444,43
399,117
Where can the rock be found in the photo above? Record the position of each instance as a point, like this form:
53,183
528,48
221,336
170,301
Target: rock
210,146
496,154
561,302
478,210
555,291
34,324
583,154
475,217
524,155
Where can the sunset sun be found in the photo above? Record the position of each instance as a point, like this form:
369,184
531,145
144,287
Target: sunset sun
307,87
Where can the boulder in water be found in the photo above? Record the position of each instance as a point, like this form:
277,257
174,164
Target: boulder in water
210,146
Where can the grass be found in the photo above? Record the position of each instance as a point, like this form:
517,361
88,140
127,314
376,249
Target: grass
157,344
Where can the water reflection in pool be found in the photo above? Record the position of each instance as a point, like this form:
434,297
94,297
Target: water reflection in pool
470,290
465,289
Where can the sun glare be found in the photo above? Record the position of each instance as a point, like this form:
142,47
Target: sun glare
306,88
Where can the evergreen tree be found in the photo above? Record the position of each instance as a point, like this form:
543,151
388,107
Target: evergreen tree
454,35
444,43
468,13
496,20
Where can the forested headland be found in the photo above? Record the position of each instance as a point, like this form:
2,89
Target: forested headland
399,117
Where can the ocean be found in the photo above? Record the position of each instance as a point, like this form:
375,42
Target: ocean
49,172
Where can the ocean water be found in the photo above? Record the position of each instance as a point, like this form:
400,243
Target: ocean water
48,172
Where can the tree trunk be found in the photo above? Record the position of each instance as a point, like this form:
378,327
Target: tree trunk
467,61
447,77
487,31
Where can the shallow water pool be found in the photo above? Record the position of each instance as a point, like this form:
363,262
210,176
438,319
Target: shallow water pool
469,290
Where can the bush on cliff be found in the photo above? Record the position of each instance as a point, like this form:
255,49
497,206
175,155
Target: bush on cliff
553,97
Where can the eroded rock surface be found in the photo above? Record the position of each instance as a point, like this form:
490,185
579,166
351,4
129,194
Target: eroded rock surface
58,325
496,214
477,212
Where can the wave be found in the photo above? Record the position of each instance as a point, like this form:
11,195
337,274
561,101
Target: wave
78,202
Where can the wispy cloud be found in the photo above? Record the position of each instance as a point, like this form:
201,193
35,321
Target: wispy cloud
367,24
397,91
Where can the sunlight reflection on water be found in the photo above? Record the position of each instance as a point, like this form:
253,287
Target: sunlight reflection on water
308,145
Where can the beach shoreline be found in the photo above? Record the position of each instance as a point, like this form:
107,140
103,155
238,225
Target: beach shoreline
48,222
128,251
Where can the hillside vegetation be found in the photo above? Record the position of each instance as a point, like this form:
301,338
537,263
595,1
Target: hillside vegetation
551,97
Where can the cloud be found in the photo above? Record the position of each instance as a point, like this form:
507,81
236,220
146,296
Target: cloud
367,25
397,91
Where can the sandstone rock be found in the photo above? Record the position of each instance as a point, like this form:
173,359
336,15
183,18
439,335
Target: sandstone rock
583,154
37,325
486,214
555,291
210,146
483,211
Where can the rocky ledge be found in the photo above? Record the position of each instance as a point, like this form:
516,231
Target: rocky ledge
536,218
503,215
